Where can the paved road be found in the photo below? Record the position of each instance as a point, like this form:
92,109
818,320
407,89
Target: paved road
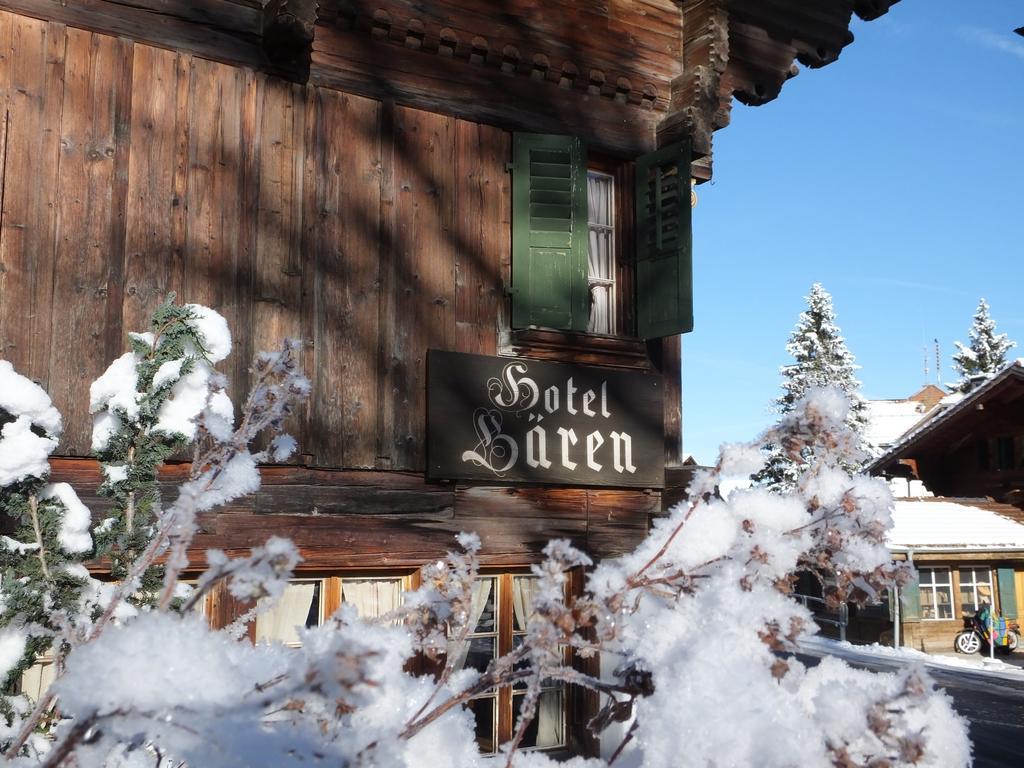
994,705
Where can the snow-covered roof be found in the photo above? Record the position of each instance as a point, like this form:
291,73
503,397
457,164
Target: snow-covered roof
946,411
888,419
955,525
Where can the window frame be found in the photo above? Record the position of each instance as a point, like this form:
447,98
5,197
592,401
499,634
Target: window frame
933,587
549,286
222,609
612,229
504,697
973,585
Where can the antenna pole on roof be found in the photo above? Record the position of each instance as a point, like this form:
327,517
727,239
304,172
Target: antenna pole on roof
938,360
924,351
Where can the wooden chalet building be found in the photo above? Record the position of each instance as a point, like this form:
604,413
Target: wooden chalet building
966,539
392,182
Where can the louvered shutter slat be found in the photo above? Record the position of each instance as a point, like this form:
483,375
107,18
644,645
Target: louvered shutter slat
664,269
549,232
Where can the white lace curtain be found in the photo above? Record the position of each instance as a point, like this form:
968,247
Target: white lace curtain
283,620
458,652
550,720
600,253
372,597
523,590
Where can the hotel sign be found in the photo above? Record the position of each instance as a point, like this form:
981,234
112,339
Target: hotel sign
514,420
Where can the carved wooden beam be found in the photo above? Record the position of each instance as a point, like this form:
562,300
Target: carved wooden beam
288,27
747,50
696,107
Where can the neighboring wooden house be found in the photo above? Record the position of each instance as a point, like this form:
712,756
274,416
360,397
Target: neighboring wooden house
966,552
966,542
391,180
973,447
889,420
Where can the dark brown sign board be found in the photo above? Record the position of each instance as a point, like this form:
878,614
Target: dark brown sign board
507,420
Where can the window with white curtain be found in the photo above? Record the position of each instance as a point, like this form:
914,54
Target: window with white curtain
548,727
975,589
301,605
307,602
373,596
936,593
601,251
499,613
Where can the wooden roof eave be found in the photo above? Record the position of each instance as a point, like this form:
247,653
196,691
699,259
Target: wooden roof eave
1011,375
747,50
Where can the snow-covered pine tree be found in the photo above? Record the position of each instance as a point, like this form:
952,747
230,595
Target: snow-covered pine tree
820,359
986,353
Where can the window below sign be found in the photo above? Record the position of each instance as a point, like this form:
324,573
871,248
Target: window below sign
307,602
499,612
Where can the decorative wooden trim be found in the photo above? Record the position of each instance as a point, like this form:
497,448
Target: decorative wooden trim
288,27
747,49
386,26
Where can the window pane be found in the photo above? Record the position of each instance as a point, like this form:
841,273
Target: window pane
372,597
927,604
548,726
483,608
599,198
925,576
299,606
481,651
600,253
523,590
35,680
486,726
600,309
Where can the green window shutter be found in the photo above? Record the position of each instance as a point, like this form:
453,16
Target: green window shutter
664,249
910,600
1007,593
549,232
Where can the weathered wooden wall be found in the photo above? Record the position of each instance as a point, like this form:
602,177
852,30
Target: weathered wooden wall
375,232
375,519
602,71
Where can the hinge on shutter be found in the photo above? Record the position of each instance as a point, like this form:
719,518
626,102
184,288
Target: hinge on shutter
508,167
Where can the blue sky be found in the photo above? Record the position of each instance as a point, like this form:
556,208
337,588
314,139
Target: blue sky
895,177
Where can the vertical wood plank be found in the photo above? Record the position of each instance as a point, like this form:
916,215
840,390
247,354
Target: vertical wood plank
155,220
28,217
347,290
278,265
385,428
309,165
6,60
482,236
277,269
217,261
671,368
88,222
422,263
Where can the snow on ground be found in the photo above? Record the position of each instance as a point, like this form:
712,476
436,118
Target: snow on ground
981,665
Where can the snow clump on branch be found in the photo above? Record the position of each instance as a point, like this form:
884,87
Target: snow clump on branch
698,622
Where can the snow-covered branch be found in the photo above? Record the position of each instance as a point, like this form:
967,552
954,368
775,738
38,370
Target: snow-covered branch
697,623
